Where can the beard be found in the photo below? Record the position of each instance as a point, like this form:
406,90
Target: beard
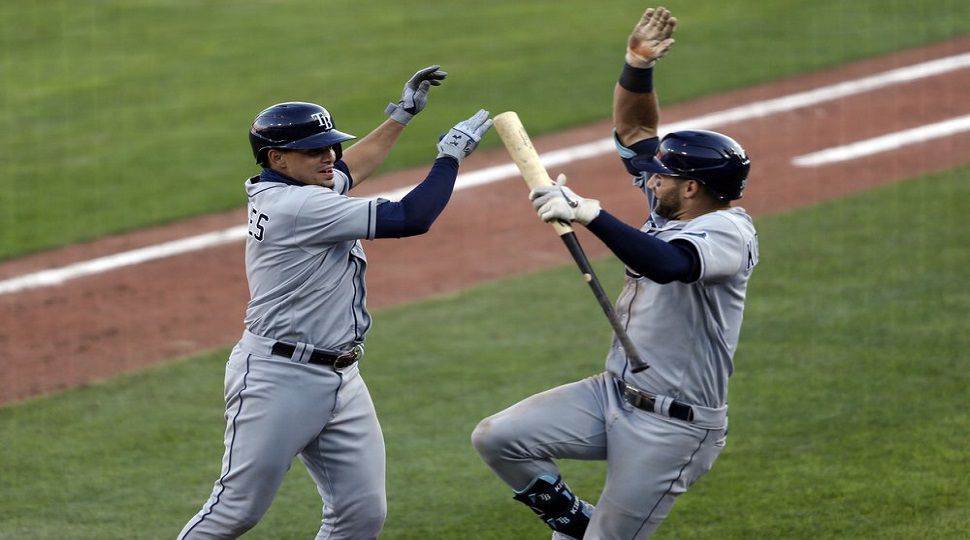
670,206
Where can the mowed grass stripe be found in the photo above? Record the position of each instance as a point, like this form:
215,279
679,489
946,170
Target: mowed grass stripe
116,115
584,150
848,416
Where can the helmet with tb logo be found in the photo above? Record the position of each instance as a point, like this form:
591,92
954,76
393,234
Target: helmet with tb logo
294,126
715,160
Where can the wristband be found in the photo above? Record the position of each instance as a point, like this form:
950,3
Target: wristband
398,114
637,80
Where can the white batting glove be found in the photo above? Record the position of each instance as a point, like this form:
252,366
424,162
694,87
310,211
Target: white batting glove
559,203
463,139
414,98
651,38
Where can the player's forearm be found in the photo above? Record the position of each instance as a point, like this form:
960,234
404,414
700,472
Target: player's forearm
415,213
636,110
655,259
364,157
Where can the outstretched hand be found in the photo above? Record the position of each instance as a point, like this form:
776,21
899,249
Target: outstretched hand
559,203
651,37
414,97
461,140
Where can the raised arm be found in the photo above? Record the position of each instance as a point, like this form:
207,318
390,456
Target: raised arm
415,213
636,111
364,157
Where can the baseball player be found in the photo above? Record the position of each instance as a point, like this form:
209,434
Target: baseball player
292,385
687,270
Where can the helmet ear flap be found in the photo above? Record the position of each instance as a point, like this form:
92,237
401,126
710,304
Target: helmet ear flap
260,152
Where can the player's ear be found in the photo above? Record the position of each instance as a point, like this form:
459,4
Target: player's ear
275,157
691,188
698,190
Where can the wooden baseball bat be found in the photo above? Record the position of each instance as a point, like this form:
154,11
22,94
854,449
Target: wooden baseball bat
519,146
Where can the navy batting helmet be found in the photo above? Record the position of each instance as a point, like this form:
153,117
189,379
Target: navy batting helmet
294,125
715,160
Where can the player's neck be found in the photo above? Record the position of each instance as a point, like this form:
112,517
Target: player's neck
691,211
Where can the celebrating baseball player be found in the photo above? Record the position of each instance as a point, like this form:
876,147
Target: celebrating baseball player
687,271
292,385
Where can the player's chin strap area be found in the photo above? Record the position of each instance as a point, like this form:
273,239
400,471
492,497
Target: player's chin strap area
703,417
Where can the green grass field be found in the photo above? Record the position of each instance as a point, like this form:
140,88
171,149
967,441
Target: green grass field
849,400
848,415
118,114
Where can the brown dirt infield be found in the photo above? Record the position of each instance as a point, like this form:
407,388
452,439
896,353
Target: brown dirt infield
92,328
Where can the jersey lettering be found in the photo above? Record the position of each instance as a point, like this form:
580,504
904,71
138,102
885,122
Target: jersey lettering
752,250
256,228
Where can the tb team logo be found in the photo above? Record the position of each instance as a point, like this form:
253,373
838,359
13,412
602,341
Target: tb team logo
324,119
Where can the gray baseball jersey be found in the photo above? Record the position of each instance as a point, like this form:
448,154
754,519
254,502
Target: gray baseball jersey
688,332
306,270
304,252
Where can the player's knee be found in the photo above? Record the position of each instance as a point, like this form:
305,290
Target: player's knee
363,518
248,516
489,438
362,526
370,526
375,514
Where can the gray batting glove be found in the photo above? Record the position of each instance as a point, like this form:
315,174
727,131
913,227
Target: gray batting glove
415,95
461,140
559,203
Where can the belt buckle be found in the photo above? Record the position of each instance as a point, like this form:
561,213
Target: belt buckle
632,396
348,358
638,398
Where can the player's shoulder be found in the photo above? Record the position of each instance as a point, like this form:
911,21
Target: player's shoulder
734,221
734,216
293,200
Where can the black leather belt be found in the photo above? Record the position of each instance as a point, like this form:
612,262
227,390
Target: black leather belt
645,400
319,357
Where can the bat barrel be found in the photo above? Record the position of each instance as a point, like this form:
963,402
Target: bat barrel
516,140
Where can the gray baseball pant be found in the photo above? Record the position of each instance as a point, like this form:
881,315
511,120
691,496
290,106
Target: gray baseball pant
276,409
651,459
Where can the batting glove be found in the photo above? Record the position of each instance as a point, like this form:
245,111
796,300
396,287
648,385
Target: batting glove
462,139
559,203
415,95
651,38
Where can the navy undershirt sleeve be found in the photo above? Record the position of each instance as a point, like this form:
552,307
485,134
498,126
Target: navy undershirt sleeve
655,259
414,214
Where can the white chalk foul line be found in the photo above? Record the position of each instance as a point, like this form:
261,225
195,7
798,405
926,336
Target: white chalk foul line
56,276
488,175
884,143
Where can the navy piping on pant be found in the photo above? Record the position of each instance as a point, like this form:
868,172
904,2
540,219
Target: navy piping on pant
232,443
353,307
629,311
681,473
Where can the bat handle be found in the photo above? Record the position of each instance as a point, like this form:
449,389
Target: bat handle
637,364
